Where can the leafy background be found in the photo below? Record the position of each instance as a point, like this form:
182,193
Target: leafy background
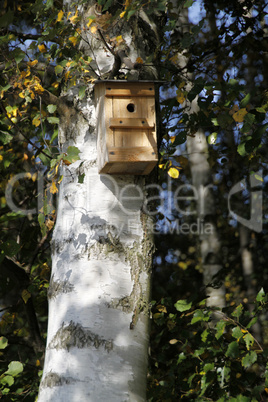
197,352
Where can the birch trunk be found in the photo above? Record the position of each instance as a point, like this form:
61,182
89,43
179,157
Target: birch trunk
97,342
202,181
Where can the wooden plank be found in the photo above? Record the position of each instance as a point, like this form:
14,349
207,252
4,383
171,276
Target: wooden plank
130,122
130,89
132,154
130,168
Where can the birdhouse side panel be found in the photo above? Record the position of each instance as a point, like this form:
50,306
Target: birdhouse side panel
102,158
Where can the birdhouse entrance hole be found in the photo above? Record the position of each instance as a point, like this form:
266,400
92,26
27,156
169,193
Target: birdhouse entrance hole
131,107
126,127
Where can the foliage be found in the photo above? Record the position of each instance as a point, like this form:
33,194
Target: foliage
217,63
206,354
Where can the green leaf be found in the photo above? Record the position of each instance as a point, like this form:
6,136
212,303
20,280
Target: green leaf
3,342
5,137
183,305
72,154
261,296
18,55
241,149
14,368
208,367
212,138
7,380
58,69
82,92
220,327
249,340
41,221
188,3
200,316
107,5
237,333
54,135
49,4
204,335
261,110
249,359
252,322
232,350
180,138
81,178
238,311
181,358
245,100
53,120
51,108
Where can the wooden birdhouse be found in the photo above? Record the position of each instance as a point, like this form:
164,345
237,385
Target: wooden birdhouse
126,127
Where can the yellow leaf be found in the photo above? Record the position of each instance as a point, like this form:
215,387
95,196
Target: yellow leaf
60,15
173,341
90,22
182,265
74,18
139,60
49,224
55,84
161,165
174,58
74,40
119,39
38,87
53,188
93,30
34,177
36,121
161,308
66,75
239,116
32,63
42,48
172,139
37,363
25,294
122,14
180,96
173,172
1,158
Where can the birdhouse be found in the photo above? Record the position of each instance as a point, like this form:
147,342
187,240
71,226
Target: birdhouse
126,127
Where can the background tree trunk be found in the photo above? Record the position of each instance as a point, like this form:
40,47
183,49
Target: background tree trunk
197,149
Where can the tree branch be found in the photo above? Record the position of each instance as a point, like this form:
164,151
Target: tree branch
12,270
29,36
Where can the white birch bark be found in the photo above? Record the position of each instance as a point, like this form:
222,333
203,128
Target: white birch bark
97,342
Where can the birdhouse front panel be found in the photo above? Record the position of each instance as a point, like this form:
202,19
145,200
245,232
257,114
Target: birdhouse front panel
126,127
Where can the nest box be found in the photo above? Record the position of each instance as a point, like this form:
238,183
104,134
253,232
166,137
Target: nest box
126,127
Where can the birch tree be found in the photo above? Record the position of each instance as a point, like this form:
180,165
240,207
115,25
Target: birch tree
97,342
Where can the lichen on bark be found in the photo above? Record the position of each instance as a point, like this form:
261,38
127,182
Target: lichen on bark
57,287
74,335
